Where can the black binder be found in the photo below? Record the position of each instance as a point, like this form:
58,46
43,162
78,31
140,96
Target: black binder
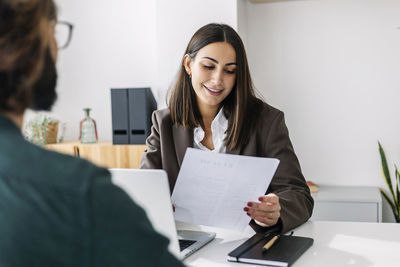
283,253
141,107
131,110
120,113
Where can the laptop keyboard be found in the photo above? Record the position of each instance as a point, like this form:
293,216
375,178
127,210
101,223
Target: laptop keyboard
183,244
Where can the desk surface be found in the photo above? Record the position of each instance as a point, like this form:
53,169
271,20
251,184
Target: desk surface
335,244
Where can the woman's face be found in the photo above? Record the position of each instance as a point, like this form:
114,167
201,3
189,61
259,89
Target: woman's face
213,72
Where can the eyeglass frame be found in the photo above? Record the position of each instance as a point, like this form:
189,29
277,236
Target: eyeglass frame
70,30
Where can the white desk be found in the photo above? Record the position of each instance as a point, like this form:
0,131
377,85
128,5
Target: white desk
338,244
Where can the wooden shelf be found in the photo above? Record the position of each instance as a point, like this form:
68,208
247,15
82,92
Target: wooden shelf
104,154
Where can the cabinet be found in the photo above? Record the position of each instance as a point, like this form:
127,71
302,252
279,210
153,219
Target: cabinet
347,203
104,154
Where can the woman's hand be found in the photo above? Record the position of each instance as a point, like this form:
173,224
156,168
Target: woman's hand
267,211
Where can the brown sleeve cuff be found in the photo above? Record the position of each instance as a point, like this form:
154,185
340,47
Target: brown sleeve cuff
277,228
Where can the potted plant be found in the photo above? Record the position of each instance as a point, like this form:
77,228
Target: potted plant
41,130
394,199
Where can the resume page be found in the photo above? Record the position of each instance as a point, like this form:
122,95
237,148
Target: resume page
212,188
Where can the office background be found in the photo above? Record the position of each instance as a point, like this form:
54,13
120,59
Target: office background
331,65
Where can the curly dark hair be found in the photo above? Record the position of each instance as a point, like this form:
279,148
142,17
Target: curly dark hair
24,39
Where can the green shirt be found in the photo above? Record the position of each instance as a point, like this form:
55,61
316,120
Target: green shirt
57,210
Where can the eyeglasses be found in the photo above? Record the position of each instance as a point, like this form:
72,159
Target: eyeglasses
63,34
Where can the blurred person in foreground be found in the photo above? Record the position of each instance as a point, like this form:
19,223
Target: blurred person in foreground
56,210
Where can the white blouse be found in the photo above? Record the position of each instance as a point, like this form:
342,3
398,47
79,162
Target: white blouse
219,125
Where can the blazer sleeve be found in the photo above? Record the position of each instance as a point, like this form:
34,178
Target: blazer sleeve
288,182
151,158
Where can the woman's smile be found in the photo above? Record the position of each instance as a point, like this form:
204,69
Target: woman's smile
212,91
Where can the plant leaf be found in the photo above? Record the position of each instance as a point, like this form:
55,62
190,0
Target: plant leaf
397,200
396,215
385,170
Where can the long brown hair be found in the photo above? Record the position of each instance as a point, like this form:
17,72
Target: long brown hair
240,106
24,38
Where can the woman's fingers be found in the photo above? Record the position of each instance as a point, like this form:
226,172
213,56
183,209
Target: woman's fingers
266,211
261,213
270,198
267,207
267,218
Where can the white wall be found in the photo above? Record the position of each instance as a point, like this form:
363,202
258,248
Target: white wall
333,67
113,45
242,19
125,43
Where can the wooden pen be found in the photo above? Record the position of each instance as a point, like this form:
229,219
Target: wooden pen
269,244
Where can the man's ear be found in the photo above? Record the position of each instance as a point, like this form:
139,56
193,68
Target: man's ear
187,60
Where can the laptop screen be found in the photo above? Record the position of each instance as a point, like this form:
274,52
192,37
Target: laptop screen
150,190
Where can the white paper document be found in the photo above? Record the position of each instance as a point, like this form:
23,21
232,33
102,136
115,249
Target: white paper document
212,188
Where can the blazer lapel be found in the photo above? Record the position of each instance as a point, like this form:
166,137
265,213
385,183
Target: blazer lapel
183,138
250,149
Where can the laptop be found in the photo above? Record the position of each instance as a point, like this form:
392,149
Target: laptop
150,190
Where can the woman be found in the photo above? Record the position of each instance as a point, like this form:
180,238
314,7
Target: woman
213,107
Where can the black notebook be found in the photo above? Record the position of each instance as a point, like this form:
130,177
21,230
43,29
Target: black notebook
284,252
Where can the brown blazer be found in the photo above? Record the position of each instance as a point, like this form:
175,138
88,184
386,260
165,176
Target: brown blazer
167,143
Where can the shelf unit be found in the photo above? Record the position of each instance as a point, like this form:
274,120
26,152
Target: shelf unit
347,203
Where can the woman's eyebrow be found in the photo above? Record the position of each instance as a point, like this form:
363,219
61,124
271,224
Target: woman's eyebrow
216,61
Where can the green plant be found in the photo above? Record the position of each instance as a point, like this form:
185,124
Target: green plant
394,200
38,128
